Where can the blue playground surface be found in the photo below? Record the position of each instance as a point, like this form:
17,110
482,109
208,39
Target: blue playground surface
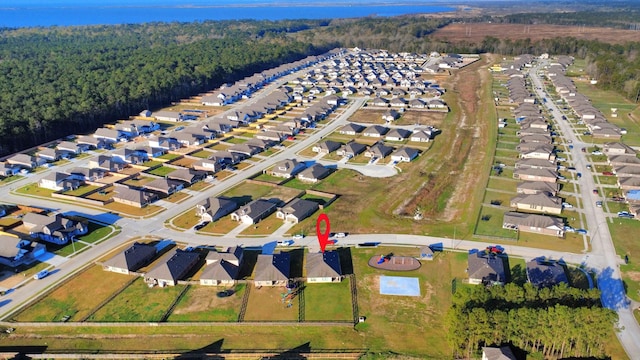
398,285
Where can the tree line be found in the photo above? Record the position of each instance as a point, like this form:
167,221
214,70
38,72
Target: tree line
555,322
65,80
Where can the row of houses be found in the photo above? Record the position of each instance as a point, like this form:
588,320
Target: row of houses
593,118
221,268
424,134
537,193
487,267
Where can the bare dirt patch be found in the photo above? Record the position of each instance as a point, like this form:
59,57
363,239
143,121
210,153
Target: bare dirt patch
476,32
633,275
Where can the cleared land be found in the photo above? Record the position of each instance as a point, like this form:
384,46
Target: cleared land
476,32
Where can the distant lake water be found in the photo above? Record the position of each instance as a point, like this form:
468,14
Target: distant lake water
30,13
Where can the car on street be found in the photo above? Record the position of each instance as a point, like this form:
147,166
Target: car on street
581,231
599,203
340,235
201,225
625,214
579,175
285,243
607,173
567,205
595,191
568,228
596,152
298,237
41,275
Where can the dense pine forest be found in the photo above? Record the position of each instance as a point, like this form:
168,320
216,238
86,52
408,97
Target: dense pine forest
558,322
68,80
60,81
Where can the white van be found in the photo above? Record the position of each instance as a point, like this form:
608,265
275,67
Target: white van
41,274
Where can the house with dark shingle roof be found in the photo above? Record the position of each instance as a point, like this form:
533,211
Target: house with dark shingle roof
326,147
538,224
59,181
314,173
375,131
287,168
131,259
173,267
404,154
485,268
23,161
188,176
48,155
323,267
68,147
272,270
254,211
297,210
107,163
215,208
15,251
351,129
222,267
133,197
55,229
397,134
7,170
545,273
495,353
351,149
164,187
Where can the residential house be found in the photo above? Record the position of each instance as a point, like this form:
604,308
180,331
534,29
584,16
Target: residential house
272,270
174,266
245,149
545,273
539,202
129,156
404,154
164,142
314,173
7,170
254,211
378,150
215,208
222,268
326,147
55,229
86,142
378,101
535,174
107,163
536,164
133,197
86,174
131,259
188,176
287,168
536,187
616,148
15,251
375,131
109,136
48,155
164,187
485,268
497,353
297,210
59,181
533,223
323,267
67,148
351,129
172,116
22,161
421,136
397,134
227,158
351,149
536,151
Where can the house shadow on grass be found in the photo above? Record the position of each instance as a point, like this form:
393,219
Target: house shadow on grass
22,352
297,257
346,262
208,352
249,259
296,353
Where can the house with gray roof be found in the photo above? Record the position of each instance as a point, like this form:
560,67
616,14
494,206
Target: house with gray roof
535,187
188,176
133,197
131,259
55,229
215,208
7,170
351,149
535,174
533,223
174,266
254,211
68,148
397,134
59,181
287,168
323,267
498,353
404,154
542,272
272,270
48,155
173,116
108,135
297,210
107,163
23,161
86,174
378,150
326,147
314,173
164,187
244,149
375,131
351,129
539,202
15,251
485,268
222,268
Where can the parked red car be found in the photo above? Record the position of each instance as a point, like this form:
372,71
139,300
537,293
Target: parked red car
607,173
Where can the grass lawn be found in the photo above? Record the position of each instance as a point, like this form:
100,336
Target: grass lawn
492,224
96,233
68,249
623,233
203,154
264,227
138,302
186,220
236,140
81,190
503,184
139,181
152,163
297,184
330,301
269,178
162,171
221,226
200,186
200,303
129,210
168,156
245,189
77,297
10,179
494,196
177,197
267,304
34,190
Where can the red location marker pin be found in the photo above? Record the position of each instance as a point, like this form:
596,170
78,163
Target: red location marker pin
323,238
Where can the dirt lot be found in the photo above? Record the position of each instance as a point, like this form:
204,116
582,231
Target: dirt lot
409,117
476,32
